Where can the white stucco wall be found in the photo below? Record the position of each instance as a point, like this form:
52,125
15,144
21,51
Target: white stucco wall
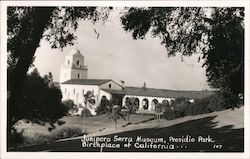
151,106
68,59
103,93
65,73
75,92
113,86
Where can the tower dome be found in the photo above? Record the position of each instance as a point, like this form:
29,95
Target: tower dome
75,51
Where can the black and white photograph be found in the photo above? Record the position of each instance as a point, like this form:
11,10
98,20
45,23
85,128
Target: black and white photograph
125,78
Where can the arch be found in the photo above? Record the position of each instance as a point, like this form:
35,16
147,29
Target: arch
165,102
127,101
104,97
137,103
104,101
145,103
104,106
133,103
153,103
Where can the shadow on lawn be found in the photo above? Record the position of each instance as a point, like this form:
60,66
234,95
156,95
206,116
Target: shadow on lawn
232,140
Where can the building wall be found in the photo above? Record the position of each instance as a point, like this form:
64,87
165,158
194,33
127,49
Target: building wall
151,105
111,85
78,57
106,94
65,73
68,60
82,72
76,92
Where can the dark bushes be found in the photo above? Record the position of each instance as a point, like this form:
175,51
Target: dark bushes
181,107
16,138
20,140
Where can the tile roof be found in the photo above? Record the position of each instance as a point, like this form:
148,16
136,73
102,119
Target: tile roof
153,92
138,91
114,91
87,81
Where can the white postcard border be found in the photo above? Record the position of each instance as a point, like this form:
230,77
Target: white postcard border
3,86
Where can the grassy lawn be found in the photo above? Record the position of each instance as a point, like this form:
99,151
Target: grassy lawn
226,127
93,124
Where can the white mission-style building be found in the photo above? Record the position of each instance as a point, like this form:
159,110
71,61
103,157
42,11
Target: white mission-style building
74,83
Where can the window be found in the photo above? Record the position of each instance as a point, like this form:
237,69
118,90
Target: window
82,91
78,75
68,61
74,91
78,62
109,85
65,90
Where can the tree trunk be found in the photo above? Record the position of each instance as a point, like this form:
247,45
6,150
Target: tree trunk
26,48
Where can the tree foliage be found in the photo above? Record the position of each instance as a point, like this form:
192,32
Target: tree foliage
26,27
104,106
217,34
70,105
132,104
40,104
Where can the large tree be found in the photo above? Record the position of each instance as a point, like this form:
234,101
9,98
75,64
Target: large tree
217,34
26,26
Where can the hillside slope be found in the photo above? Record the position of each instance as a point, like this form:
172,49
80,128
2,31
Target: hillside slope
225,127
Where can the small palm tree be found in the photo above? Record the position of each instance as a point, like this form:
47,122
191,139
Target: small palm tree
88,99
158,110
115,113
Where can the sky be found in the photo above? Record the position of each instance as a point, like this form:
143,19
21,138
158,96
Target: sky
115,55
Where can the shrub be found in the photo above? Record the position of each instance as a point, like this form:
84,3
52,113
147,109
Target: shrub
103,107
164,105
66,133
70,106
86,111
171,114
179,108
182,107
228,99
38,139
132,104
16,138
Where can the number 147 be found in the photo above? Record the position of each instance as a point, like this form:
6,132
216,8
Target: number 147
217,146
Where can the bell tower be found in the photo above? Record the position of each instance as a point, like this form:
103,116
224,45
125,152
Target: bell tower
73,67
